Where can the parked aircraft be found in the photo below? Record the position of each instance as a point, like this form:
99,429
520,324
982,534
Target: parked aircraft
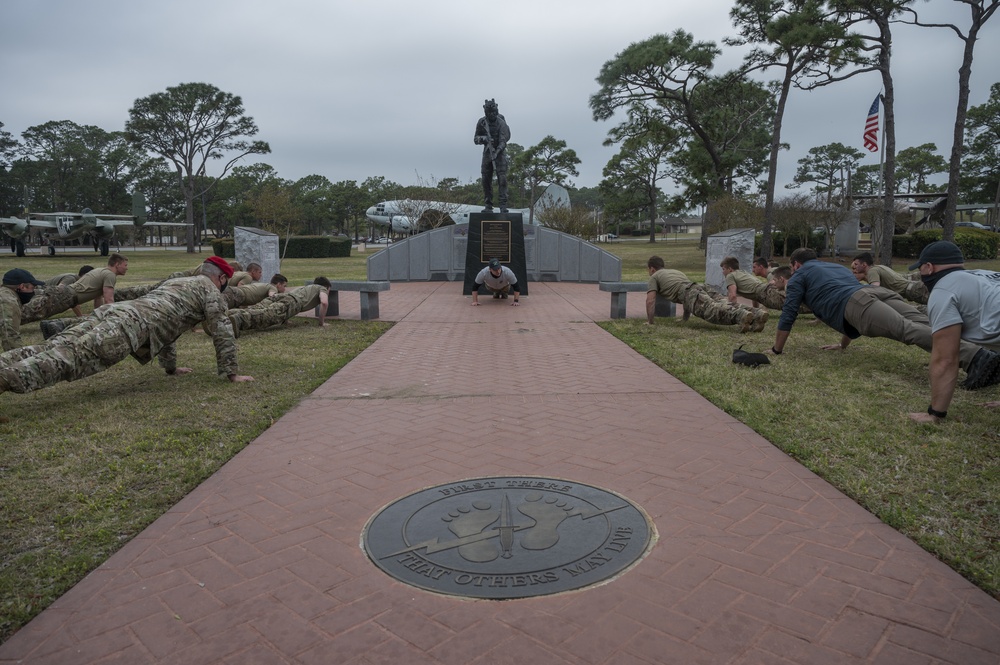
412,216
70,226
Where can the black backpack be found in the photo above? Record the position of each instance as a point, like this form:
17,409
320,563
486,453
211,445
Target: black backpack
742,357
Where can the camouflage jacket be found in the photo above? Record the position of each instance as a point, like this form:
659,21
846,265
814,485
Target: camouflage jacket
177,306
10,319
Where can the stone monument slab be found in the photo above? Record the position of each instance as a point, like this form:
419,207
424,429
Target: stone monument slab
255,245
733,242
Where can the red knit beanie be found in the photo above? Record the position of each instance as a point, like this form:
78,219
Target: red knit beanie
221,264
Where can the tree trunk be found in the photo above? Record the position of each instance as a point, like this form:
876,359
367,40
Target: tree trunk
189,213
772,168
883,253
958,136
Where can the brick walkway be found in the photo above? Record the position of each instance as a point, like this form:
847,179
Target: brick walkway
757,559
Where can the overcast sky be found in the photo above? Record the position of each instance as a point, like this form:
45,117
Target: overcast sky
394,88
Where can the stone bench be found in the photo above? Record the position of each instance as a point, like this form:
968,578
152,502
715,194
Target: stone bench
619,296
369,296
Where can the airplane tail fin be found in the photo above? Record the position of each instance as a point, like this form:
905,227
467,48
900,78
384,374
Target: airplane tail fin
554,196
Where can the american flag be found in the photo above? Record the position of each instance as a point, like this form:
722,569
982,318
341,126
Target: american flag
871,127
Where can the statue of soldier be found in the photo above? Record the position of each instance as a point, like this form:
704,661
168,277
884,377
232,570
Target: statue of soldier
493,134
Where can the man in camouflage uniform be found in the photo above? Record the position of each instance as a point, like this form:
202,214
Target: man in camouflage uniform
243,277
18,289
63,279
96,285
277,309
99,285
236,295
142,328
865,270
697,299
743,284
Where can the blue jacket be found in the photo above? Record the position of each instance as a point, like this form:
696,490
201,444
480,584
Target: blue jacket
825,288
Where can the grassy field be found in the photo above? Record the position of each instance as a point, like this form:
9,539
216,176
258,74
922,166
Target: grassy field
85,466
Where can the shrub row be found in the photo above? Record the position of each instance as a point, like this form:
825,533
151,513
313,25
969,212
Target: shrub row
299,247
976,244
816,240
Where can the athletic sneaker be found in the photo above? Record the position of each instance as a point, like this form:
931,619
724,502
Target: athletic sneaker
503,296
984,370
496,296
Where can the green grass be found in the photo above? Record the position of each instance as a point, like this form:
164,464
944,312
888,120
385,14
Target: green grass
85,466
843,415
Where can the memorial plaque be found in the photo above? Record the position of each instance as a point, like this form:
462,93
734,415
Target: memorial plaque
507,537
495,241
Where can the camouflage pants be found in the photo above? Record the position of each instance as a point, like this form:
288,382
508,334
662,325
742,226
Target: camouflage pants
774,298
916,292
96,343
48,302
267,314
712,306
770,297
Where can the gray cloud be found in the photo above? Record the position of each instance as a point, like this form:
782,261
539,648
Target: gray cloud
392,88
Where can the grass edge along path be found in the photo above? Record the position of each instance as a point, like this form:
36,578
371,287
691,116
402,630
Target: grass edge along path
86,466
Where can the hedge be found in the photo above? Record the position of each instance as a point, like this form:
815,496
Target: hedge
817,239
976,244
299,247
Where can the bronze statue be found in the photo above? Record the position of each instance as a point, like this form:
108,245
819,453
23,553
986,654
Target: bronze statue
493,134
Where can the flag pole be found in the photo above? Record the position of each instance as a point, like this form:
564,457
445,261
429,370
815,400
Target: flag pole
881,155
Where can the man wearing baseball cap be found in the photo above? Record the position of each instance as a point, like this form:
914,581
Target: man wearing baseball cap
143,328
499,280
963,305
18,288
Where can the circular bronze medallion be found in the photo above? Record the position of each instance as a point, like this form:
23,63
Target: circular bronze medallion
507,537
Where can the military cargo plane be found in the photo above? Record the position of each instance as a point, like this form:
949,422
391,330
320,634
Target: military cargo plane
409,216
70,226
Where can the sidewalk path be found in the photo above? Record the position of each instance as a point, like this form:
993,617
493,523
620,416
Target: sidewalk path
758,561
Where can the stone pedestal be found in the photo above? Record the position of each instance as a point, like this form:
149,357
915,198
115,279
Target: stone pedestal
495,235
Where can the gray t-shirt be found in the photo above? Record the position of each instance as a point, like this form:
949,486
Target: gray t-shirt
970,298
496,283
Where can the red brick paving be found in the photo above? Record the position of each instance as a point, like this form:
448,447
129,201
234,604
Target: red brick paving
757,559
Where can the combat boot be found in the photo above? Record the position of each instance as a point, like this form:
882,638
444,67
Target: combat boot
760,320
50,328
747,321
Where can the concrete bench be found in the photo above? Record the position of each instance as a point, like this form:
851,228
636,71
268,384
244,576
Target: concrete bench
619,296
369,297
